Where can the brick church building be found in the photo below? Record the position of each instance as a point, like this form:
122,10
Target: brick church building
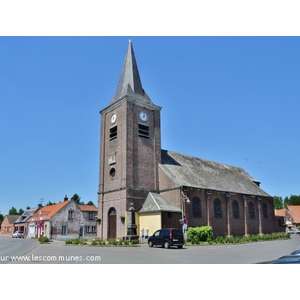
143,188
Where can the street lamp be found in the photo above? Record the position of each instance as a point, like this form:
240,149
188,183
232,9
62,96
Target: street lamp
184,199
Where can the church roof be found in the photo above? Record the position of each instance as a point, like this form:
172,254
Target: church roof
130,83
191,171
156,202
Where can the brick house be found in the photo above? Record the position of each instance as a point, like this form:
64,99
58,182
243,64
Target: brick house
62,221
133,165
8,224
280,215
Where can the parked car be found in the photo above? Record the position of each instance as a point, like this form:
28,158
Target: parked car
166,238
286,259
296,252
293,231
18,234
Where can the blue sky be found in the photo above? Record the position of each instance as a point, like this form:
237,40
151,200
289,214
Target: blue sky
234,100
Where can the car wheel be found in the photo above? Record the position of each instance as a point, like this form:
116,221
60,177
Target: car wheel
180,247
166,245
150,244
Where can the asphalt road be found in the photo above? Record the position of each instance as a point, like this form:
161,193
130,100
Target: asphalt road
19,251
13,247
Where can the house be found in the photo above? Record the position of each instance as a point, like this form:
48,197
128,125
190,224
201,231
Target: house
280,215
292,216
88,227
161,186
21,222
63,221
289,217
8,224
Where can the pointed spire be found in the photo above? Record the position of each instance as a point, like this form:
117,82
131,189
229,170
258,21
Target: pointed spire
130,82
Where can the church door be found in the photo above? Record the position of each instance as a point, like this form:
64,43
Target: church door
112,224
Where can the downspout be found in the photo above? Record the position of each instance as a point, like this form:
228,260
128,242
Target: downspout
181,201
102,161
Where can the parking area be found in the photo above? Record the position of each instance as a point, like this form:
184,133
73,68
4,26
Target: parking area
251,253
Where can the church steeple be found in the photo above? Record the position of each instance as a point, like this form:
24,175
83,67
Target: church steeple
130,83
130,151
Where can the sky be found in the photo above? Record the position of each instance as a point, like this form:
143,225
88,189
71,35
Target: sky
234,100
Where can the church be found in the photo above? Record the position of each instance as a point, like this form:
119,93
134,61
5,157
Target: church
143,188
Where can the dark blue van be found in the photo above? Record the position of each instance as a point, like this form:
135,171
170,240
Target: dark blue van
166,238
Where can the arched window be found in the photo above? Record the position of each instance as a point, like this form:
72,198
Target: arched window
251,210
197,213
265,210
235,209
218,208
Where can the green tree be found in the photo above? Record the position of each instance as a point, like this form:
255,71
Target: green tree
50,203
1,218
292,200
286,201
13,211
76,199
90,203
278,202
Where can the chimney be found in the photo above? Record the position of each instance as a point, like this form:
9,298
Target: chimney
28,207
40,205
66,198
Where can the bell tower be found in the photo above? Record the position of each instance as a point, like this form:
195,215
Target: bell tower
130,151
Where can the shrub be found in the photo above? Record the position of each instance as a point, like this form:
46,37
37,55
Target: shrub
126,243
43,239
195,235
134,242
76,241
250,238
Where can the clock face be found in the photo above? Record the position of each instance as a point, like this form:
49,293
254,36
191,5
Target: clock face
143,116
113,118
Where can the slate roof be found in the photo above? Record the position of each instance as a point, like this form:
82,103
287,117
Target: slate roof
185,170
156,203
12,218
26,215
130,83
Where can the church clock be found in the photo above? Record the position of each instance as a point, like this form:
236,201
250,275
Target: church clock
143,116
113,118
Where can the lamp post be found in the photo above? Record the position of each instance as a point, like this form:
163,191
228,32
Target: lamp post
184,200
